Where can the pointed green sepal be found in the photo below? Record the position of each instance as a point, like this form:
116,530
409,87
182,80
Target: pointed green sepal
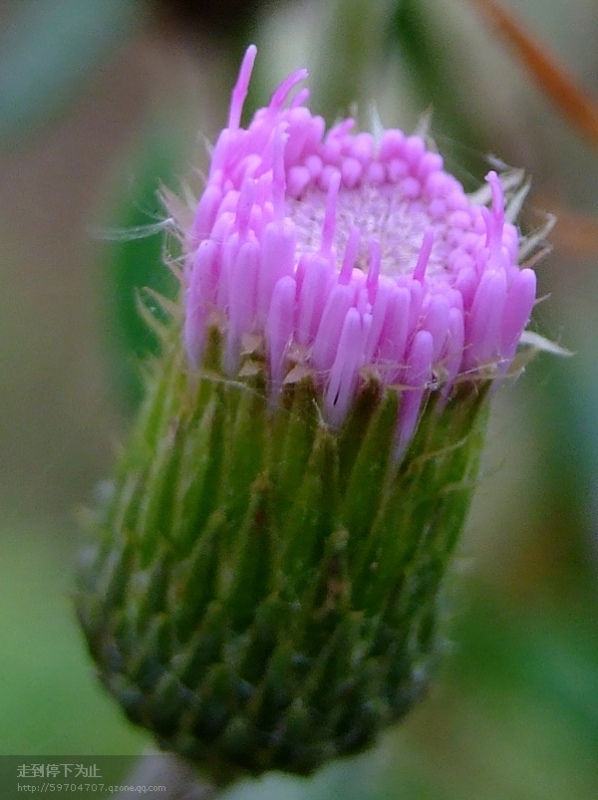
265,591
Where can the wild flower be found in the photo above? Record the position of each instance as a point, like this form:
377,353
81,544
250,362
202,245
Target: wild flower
267,576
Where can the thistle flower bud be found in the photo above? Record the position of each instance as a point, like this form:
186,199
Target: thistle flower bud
267,583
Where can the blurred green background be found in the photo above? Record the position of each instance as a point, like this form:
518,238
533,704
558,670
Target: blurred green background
103,101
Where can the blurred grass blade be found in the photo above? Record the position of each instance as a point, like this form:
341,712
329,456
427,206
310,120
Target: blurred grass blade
576,233
551,656
553,78
348,54
418,35
47,49
134,263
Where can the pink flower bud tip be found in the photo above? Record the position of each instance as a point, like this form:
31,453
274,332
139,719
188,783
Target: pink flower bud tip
364,255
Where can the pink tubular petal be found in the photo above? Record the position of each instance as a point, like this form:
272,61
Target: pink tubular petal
495,219
498,199
300,125
284,89
417,377
330,215
374,269
229,251
279,326
312,296
410,188
279,180
201,288
436,321
424,255
245,206
314,164
350,256
429,163
205,215
241,88
341,129
419,363
327,176
518,309
393,338
375,173
351,172
483,340
416,290
315,135
278,260
454,349
242,298
228,206
362,147
222,149
344,373
299,180
206,271
361,303
300,98
467,284
397,170
414,150
247,168
329,331
379,316
392,144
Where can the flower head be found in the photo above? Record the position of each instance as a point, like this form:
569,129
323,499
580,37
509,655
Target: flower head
267,580
350,255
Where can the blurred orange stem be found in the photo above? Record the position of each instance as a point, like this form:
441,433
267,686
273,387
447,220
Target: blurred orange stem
552,76
576,232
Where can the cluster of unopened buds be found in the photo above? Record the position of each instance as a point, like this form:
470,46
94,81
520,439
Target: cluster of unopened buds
268,572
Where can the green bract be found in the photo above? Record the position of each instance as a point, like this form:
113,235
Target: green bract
264,591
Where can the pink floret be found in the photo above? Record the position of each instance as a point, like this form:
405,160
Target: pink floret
357,257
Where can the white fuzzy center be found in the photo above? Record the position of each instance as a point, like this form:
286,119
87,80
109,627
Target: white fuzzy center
380,213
